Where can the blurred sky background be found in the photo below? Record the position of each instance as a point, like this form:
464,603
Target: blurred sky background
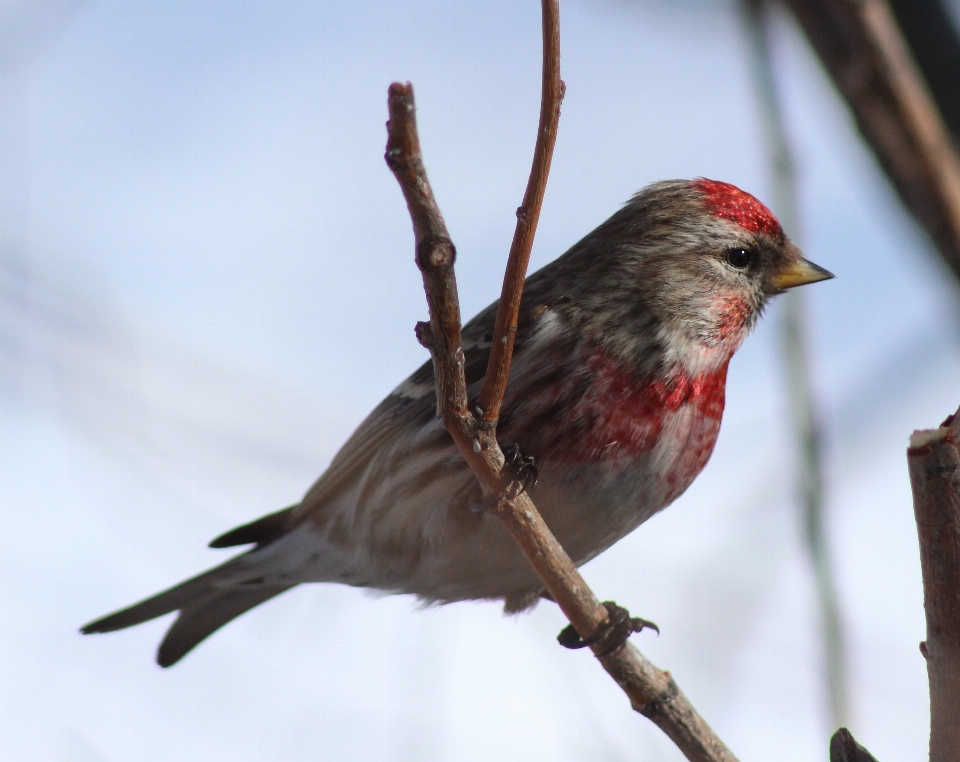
208,280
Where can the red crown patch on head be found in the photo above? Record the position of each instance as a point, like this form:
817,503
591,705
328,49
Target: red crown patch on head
730,203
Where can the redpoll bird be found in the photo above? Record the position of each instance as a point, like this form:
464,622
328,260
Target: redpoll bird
616,390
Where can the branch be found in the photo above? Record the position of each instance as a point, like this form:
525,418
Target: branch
934,461
862,48
843,748
651,691
528,215
435,252
934,41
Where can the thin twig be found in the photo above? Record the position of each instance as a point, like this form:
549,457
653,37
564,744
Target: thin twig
528,215
862,48
934,461
435,251
794,342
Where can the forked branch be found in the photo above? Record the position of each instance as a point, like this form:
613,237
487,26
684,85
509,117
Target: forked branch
651,691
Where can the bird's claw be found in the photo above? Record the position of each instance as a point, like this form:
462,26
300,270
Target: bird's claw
611,634
524,469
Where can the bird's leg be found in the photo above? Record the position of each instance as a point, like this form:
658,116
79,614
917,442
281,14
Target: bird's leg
610,635
524,471
524,468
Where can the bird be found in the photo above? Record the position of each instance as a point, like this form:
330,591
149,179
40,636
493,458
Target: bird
614,399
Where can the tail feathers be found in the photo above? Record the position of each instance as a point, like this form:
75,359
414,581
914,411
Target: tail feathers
162,603
207,615
264,530
205,603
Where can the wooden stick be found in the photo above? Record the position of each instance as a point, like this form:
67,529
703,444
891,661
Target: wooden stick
934,461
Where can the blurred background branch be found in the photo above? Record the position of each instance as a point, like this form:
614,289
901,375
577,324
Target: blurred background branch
861,47
844,748
932,37
794,344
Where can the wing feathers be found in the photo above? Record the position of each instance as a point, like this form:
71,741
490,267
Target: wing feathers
264,530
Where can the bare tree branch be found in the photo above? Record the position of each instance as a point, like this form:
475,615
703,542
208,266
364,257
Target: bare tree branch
528,215
652,692
435,252
934,461
861,46
476,439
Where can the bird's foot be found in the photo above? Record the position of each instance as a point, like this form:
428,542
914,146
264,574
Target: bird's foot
524,468
611,634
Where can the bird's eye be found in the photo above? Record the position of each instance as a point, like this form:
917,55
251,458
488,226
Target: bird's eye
740,258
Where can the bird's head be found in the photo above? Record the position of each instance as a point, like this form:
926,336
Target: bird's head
693,263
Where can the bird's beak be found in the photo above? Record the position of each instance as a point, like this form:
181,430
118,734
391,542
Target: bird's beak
800,272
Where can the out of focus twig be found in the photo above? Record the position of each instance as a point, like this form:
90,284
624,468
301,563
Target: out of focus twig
794,343
651,691
862,48
844,748
934,40
934,461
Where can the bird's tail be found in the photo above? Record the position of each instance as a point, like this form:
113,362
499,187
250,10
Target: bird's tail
205,602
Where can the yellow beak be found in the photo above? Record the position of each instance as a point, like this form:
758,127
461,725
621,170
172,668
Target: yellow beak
800,272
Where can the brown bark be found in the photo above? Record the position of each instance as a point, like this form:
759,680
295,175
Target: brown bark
862,48
528,215
934,461
652,692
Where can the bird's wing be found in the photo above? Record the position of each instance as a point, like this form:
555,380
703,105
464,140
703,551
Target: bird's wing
405,425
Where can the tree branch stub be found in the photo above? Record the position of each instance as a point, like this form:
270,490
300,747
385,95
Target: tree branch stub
934,461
